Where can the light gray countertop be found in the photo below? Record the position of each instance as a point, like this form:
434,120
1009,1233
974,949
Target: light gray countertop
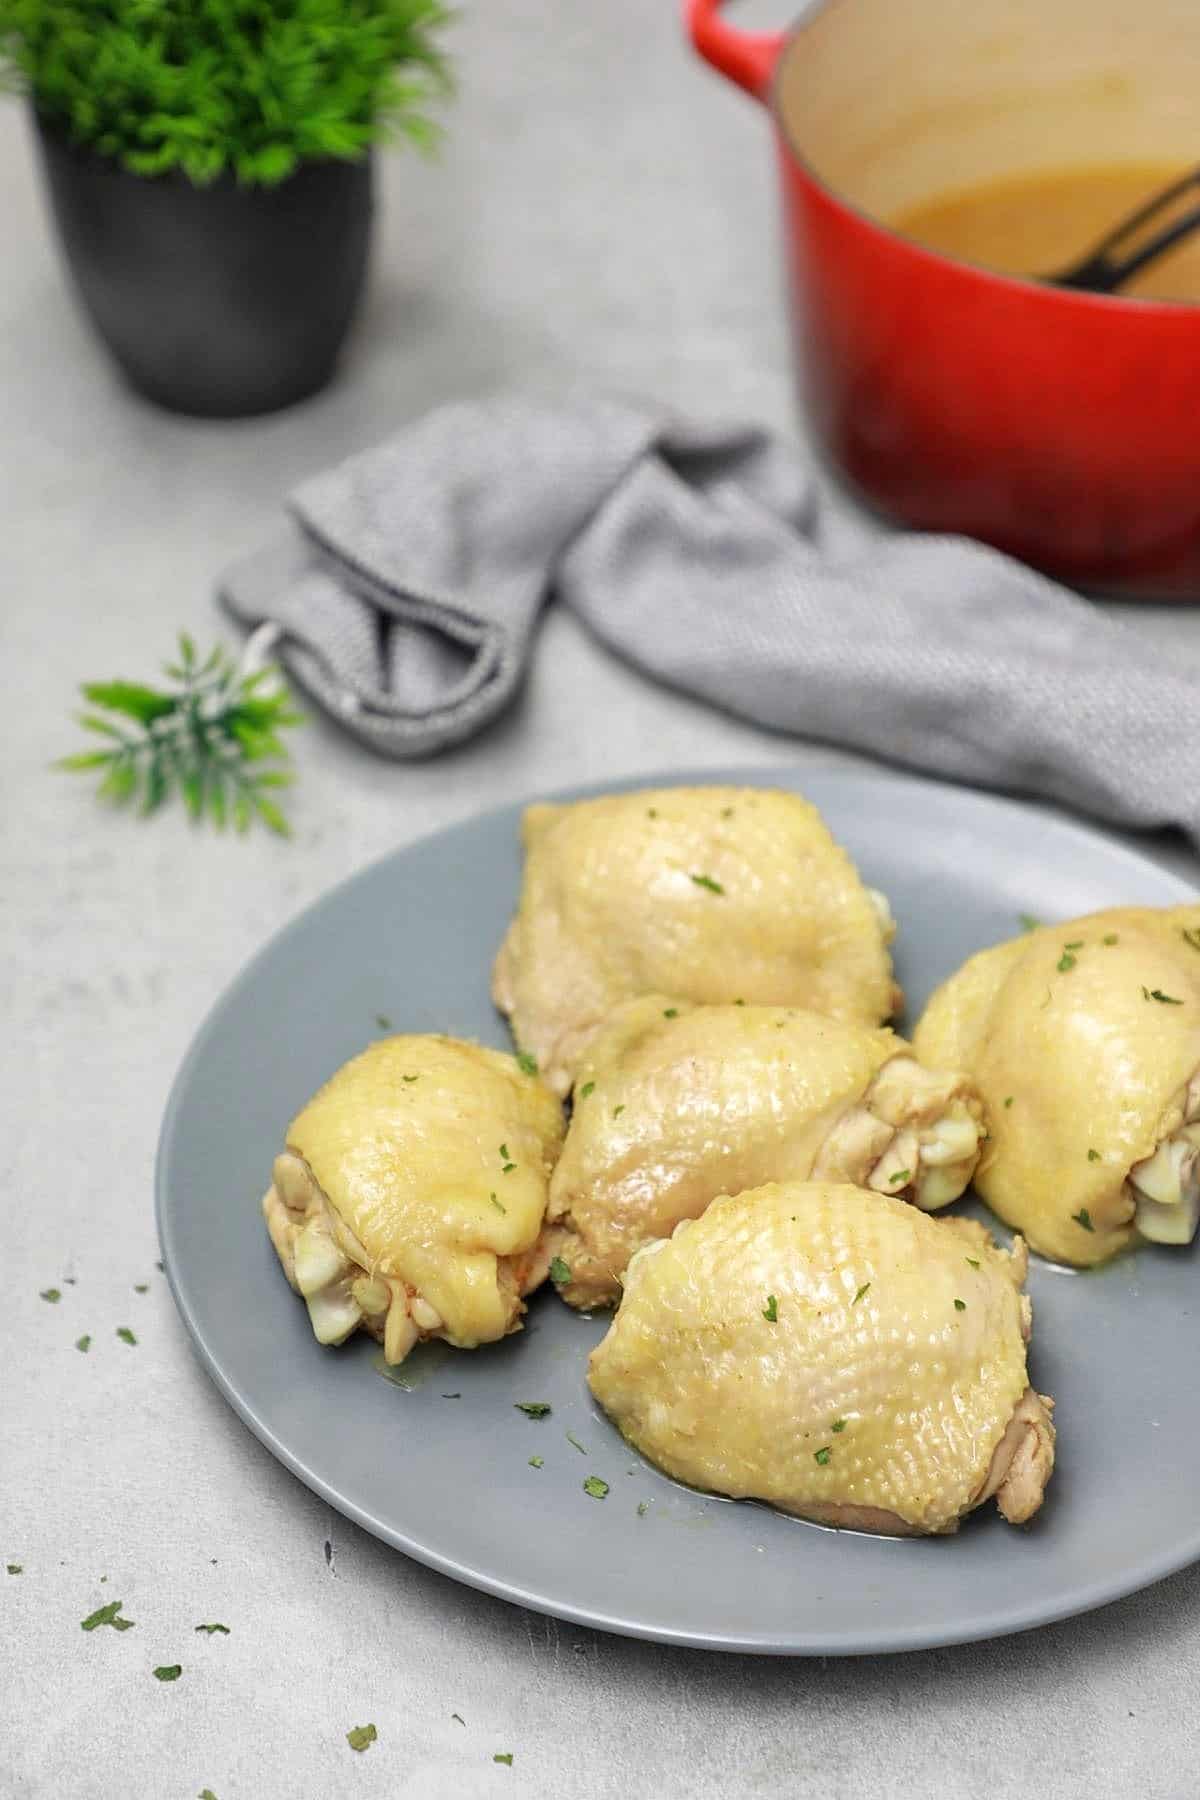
603,210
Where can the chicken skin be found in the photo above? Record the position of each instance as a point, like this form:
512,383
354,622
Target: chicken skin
676,1104
1084,1041
836,1353
712,894
410,1195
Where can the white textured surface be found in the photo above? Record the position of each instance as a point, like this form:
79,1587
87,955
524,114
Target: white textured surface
603,210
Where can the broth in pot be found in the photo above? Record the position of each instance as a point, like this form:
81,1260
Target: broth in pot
1034,223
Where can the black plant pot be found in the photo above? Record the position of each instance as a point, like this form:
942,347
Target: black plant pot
220,301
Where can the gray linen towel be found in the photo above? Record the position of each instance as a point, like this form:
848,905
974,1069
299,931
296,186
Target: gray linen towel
407,586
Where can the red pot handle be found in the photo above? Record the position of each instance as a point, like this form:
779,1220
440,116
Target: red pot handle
746,57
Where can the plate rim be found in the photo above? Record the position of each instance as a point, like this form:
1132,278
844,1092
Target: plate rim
894,1640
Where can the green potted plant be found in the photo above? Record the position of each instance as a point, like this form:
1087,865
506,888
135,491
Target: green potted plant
209,169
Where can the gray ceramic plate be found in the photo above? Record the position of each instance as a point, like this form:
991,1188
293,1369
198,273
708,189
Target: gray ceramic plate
441,1468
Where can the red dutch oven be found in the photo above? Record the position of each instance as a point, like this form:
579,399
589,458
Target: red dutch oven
1063,427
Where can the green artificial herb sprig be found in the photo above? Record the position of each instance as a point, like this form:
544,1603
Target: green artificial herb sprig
204,737
248,88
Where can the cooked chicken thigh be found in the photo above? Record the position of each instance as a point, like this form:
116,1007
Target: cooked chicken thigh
836,1353
1084,1042
712,894
676,1104
411,1193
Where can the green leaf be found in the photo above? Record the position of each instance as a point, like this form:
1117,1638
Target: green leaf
120,784
155,790
597,1488
168,1672
86,759
191,786
126,1336
503,1756
526,1063
52,1294
360,1736
107,1615
145,704
533,1409
560,1273
93,722
271,816
84,1343
211,1628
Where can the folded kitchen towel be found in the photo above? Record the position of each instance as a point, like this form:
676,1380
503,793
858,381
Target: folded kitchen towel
406,586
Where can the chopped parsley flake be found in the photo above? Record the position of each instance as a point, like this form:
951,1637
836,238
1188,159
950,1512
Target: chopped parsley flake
960,1306
410,1078
1093,1156
589,1087
1189,937
864,1289
50,1294
526,1063
706,881
560,1274
84,1343
1028,921
207,1794
900,1176
498,1204
360,1736
508,1168
1008,1100
213,1628
1084,1218
107,1615
141,1287
572,1439
1066,961
595,1487
503,1756
739,1003
504,1157
1075,944
1111,938
652,812
383,1022
535,1462
823,1455
643,1508
974,1261
771,1310
838,1425
670,1012
126,1336
533,1409
1157,994
168,1672
15,1568
618,1110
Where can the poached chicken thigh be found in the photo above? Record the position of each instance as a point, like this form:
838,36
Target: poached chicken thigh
1084,1041
676,1104
836,1353
709,893
410,1195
